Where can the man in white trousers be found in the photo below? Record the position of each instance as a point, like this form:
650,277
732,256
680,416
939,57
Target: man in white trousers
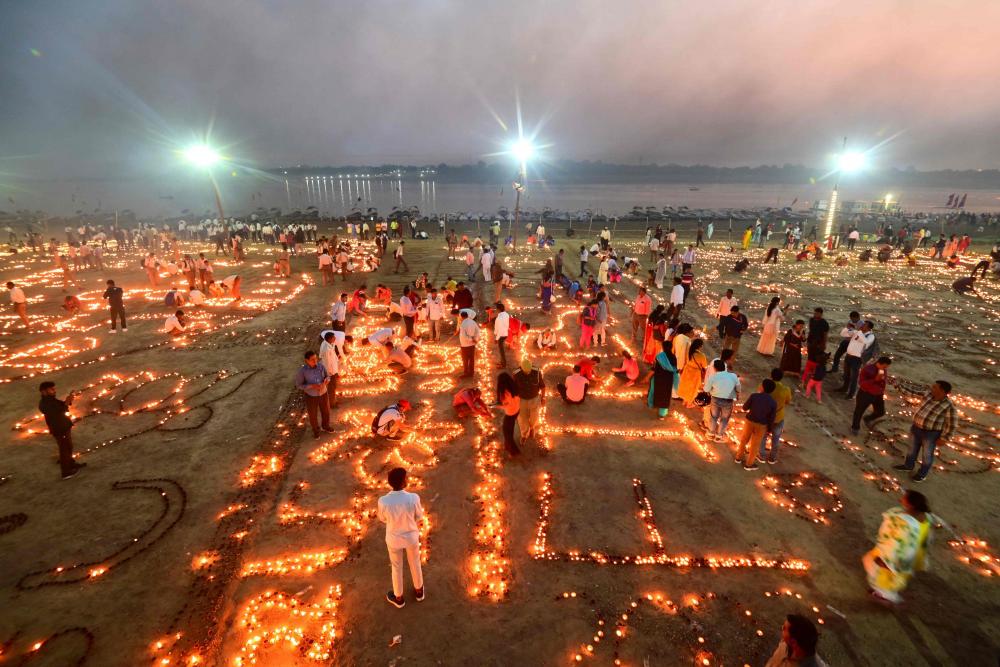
400,511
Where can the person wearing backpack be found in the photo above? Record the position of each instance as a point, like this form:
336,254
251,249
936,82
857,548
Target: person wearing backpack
390,420
588,320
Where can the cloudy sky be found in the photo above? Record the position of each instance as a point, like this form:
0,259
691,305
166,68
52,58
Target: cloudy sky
106,88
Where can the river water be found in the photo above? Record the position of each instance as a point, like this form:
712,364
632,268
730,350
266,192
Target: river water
336,196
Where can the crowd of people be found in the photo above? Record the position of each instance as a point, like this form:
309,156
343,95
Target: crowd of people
671,362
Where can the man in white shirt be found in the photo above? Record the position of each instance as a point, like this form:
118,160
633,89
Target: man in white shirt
408,309
196,297
435,314
688,256
396,355
339,340
379,336
338,313
175,324
584,258
501,328
468,336
574,388
726,304
605,238
331,362
19,302
486,260
860,341
676,299
326,266
400,511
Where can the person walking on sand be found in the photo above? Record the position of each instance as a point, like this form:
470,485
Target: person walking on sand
398,256
661,271
726,304
733,326
771,326
401,513
60,425
782,396
19,303
871,393
900,549
861,340
115,297
933,423
761,409
501,329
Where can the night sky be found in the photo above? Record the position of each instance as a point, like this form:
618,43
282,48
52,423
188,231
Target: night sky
109,88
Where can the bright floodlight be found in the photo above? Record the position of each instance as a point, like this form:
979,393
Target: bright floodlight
852,161
201,155
522,150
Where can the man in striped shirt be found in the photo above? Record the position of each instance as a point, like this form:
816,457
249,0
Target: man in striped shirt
933,423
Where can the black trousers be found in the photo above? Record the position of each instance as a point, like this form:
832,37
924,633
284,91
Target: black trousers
117,313
862,402
841,351
508,434
65,443
468,360
501,345
408,321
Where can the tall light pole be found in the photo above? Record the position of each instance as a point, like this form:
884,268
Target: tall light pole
205,157
522,150
846,162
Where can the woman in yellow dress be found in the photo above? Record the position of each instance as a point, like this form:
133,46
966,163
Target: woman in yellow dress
901,548
746,237
693,374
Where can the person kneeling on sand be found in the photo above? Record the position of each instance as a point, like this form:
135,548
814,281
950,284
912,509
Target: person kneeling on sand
470,401
176,324
391,420
574,389
398,360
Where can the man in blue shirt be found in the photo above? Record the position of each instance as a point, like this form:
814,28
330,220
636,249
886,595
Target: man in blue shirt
761,409
312,379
